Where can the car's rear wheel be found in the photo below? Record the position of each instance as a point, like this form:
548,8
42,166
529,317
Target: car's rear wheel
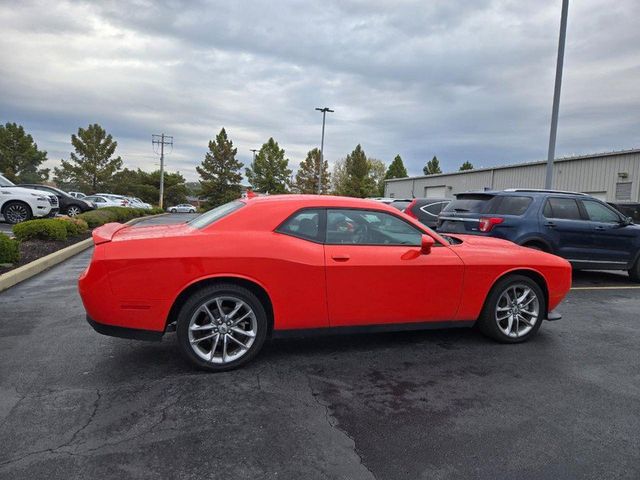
73,210
16,212
221,327
514,310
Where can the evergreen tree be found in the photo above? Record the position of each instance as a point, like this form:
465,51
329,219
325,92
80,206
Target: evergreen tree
396,169
269,172
339,178
359,182
307,174
20,157
91,166
146,186
432,167
220,172
466,166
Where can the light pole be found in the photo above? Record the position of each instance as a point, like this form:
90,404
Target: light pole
548,182
254,150
324,114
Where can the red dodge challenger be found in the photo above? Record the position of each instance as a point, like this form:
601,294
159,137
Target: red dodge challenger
267,266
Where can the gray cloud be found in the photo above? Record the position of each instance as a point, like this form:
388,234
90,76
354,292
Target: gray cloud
465,80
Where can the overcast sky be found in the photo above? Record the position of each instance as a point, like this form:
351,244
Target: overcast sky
463,80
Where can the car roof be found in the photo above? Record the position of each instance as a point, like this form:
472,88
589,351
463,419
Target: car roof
320,200
524,191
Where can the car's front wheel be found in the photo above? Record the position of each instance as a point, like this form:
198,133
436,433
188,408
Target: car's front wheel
173,210
221,327
514,310
16,212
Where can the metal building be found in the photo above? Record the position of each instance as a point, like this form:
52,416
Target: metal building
613,176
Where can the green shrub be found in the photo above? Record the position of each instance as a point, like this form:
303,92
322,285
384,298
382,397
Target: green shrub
74,226
96,218
155,211
43,229
9,252
124,214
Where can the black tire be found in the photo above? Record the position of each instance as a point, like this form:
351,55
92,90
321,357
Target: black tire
634,272
16,212
488,323
173,210
194,303
73,210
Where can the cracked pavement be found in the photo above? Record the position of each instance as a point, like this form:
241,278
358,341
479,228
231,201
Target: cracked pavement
433,404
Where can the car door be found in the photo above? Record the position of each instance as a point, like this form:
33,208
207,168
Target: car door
612,240
376,274
568,232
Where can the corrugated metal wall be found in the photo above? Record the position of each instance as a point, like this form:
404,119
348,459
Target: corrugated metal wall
597,174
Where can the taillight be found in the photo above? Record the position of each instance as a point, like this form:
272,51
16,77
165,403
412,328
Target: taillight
487,224
408,210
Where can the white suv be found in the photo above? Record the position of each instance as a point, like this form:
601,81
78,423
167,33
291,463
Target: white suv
18,204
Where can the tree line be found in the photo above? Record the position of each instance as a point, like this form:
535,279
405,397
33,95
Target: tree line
94,167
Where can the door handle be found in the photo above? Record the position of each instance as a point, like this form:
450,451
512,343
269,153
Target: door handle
600,228
340,257
550,224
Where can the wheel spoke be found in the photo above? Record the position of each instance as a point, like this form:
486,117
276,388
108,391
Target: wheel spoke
219,305
524,295
528,301
236,322
206,337
208,312
198,328
509,324
242,345
525,321
224,349
504,317
243,332
235,310
215,345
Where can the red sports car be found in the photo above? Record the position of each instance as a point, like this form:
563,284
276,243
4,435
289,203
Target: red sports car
265,266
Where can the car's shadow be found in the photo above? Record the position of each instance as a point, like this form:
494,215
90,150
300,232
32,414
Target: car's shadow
600,278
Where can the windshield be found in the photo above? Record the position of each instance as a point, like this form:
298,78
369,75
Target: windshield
217,213
5,183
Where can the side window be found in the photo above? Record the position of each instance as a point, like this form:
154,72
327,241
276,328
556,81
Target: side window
368,227
599,213
304,224
513,205
432,209
562,208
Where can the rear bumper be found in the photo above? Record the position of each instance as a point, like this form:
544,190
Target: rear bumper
123,332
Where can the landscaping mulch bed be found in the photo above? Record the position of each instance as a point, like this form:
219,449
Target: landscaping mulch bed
31,250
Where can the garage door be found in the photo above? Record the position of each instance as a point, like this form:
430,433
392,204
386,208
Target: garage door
435,192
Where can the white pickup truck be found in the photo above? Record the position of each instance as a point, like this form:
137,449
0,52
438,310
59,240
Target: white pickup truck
18,204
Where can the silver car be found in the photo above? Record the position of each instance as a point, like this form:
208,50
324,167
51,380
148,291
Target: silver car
182,208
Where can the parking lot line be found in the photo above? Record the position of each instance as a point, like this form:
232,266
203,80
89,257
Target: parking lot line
620,287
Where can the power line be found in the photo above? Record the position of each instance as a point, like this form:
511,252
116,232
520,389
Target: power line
161,140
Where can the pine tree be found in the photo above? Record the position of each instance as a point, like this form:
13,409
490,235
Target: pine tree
466,166
91,166
307,174
220,172
20,157
432,167
269,172
359,182
396,169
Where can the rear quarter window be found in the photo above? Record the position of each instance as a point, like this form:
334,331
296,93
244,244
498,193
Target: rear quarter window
509,205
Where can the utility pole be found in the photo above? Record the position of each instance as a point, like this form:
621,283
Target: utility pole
254,150
161,140
548,183
324,114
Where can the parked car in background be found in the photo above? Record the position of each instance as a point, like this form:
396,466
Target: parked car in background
628,210
182,208
77,194
121,199
18,204
426,210
140,204
385,200
584,230
269,265
99,201
400,203
67,204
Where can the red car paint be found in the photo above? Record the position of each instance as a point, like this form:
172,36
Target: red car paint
137,274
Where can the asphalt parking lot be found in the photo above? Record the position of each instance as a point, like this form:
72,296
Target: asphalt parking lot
433,404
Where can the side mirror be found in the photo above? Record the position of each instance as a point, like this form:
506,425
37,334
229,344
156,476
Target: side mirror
425,244
627,221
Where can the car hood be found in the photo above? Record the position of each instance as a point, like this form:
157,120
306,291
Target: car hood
27,191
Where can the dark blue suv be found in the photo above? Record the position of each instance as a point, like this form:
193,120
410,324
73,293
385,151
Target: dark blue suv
587,232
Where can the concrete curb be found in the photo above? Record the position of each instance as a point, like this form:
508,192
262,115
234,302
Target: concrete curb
20,274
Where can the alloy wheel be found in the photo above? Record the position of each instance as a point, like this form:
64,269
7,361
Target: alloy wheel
16,213
222,329
73,211
517,310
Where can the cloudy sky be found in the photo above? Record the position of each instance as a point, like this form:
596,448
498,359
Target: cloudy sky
463,80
